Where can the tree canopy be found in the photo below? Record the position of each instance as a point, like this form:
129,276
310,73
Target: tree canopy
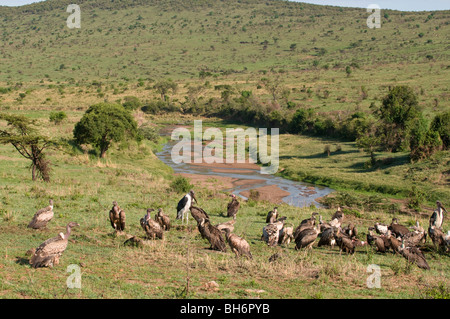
103,124
21,132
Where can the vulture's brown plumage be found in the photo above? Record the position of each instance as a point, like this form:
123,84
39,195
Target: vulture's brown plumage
238,245
117,217
414,255
397,229
380,241
163,219
307,237
42,217
212,234
437,237
272,216
304,224
327,237
198,214
151,227
345,243
394,243
49,252
233,207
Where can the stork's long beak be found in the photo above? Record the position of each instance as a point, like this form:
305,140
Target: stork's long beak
193,196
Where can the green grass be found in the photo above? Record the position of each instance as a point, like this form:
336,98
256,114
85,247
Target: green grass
83,188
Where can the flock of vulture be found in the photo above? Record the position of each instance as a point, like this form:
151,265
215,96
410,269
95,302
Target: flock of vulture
395,237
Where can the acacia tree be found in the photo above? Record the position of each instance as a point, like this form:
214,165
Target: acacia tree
163,87
103,124
26,139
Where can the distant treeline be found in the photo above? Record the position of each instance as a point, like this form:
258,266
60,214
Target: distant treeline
397,125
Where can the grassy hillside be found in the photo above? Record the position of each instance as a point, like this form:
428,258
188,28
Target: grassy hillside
122,49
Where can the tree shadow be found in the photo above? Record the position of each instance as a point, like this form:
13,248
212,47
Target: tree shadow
381,163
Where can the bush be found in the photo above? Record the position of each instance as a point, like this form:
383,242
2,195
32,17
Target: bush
149,133
181,185
57,117
441,125
131,103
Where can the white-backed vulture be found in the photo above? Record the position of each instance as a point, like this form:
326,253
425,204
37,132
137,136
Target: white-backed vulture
286,235
117,217
42,217
271,232
238,245
49,252
381,229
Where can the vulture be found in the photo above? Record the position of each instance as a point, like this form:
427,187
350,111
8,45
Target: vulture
397,229
233,207
418,228
381,242
198,214
381,229
286,235
151,227
117,217
345,243
437,218
162,219
415,237
350,230
394,243
437,237
323,225
306,223
272,216
414,255
49,252
42,217
212,234
339,215
238,245
184,205
328,237
307,237
227,225
271,232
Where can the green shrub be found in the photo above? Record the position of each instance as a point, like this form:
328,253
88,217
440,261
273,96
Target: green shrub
57,117
181,185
